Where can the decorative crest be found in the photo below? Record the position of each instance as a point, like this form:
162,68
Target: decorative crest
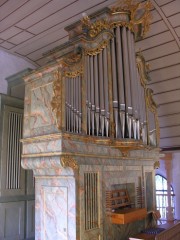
94,28
139,13
139,18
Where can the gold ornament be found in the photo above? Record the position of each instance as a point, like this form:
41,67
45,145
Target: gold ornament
67,161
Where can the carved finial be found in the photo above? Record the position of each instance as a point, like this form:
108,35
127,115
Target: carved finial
85,20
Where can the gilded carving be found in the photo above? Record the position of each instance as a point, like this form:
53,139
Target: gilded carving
98,49
56,102
73,58
67,161
143,69
156,165
150,101
96,27
73,74
134,8
139,18
153,108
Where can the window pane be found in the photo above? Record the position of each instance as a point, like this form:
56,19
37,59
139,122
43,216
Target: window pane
162,196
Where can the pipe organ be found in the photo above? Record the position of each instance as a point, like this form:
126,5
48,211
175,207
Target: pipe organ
89,123
105,82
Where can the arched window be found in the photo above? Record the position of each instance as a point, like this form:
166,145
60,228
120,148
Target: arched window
162,195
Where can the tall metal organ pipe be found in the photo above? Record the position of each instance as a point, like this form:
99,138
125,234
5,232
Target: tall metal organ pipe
127,92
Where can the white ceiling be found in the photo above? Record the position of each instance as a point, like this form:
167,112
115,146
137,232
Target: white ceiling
29,28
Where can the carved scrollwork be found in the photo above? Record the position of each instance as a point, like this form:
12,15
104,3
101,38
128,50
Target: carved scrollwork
150,101
143,69
73,58
152,106
93,29
56,102
95,51
75,73
67,161
139,13
139,18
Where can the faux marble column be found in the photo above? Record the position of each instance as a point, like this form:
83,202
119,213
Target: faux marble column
168,167
55,198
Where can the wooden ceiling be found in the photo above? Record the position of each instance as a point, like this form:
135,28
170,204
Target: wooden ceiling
29,28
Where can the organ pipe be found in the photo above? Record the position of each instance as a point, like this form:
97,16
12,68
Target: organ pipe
129,107
105,64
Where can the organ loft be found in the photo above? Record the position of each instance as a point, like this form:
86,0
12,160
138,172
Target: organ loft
91,132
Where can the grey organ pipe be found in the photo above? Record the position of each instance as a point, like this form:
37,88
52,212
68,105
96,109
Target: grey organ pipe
101,92
119,66
126,69
105,73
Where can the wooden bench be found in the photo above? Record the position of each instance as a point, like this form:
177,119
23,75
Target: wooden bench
172,233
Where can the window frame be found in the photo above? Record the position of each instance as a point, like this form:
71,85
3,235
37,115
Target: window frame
162,196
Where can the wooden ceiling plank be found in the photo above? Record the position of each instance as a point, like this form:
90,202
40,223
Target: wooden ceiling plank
154,41
171,8
41,61
9,7
168,109
165,73
21,37
173,131
7,45
178,31
156,28
10,32
163,2
42,42
172,96
155,16
35,56
164,86
3,2
20,13
160,51
170,120
174,20
43,12
170,142
75,9
166,61
35,43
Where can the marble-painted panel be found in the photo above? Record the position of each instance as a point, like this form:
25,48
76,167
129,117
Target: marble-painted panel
27,107
41,112
50,166
90,148
43,147
55,208
55,201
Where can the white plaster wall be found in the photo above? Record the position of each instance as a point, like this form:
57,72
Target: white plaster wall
176,182
9,65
